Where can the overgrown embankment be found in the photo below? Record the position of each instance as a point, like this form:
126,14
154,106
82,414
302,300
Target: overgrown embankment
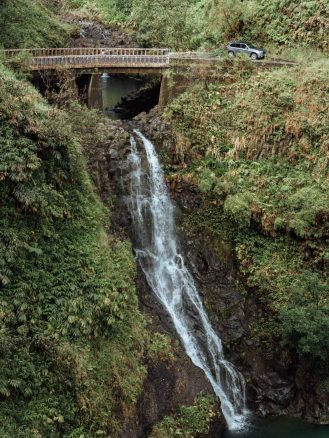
30,23
182,24
178,24
71,333
256,145
72,337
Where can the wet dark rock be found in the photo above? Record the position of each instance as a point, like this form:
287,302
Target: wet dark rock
273,389
169,384
134,103
274,386
95,34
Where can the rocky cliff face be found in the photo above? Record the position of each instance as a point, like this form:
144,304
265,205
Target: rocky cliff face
278,385
275,387
169,383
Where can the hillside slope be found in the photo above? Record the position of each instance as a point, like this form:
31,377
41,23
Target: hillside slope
182,24
72,337
29,23
256,144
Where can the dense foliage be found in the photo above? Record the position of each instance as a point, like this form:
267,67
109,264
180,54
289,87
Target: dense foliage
283,22
72,337
190,422
178,24
210,23
286,22
109,11
259,148
306,318
29,23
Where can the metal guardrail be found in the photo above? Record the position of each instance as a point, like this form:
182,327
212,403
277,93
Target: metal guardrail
87,51
42,59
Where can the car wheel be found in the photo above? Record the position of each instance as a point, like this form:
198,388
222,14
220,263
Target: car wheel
231,54
253,56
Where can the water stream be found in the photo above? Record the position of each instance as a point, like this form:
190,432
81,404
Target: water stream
169,278
166,272
114,87
280,427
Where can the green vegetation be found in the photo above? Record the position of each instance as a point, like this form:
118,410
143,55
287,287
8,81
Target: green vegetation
72,337
305,320
193,24
190,421
178,24
291,22
163,22
281,22
108,11
29,23
160,348
258,144
73,342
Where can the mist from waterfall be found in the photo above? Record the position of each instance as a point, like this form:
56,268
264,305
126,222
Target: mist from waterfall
168,276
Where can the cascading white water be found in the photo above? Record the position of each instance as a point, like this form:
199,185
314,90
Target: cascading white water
171,281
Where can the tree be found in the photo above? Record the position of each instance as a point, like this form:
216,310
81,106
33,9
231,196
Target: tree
306,320
163,22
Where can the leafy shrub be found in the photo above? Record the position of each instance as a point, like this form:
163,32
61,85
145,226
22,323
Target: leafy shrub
162,22
237,208
287,22
109,11
160,348
305,321
207,180
190,421
309,204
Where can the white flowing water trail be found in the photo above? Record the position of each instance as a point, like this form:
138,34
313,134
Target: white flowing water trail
166,272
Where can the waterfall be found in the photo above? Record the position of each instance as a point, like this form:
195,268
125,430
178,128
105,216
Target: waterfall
169,278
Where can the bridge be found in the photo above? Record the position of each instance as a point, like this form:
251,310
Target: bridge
90,58
86,65
86,58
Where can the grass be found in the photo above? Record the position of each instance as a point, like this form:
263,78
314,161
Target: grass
107,11
256,144
190,422
29,23
301,54
72,338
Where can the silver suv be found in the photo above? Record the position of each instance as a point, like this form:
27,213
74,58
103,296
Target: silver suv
246,48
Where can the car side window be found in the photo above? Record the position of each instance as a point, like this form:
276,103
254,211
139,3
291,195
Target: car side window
234,45
243,46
